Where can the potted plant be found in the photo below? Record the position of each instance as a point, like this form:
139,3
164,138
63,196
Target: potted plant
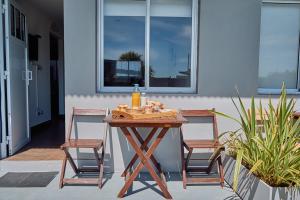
264,154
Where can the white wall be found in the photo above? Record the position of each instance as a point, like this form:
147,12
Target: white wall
228,57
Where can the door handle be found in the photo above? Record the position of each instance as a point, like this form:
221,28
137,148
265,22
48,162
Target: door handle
27,76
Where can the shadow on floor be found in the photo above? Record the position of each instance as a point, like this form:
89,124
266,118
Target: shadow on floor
144,179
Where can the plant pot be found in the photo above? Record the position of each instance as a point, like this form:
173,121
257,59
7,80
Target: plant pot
252,188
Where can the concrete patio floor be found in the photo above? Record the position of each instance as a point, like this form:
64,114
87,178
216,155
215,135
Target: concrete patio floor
144,188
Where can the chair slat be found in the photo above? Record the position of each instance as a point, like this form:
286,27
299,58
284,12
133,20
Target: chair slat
197,113
83,143
89,181
89,112
196,180
202,143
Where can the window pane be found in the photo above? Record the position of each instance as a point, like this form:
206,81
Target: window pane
22,27
12,20
171,8
124,44
18,25
125,8
170,44
280,25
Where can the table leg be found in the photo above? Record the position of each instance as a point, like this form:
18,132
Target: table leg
155,162
144,162
144,146
153,159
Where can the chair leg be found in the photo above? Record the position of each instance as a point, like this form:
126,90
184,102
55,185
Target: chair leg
97,158
62,175
185,167
100,162
183,161
71,161
211,165
214,159
221,171
100,183
188,158
184,174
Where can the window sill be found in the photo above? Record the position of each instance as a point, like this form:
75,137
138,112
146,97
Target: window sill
127,90
264,91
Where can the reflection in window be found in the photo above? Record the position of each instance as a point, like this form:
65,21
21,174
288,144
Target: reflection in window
128,69
124,47
279,45
170,51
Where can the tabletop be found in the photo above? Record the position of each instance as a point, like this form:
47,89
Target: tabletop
161,122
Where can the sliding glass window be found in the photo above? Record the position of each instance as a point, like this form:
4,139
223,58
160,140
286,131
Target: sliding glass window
279,46
149,42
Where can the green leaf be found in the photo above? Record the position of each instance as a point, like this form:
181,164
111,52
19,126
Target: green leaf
226,116
255,166
237,169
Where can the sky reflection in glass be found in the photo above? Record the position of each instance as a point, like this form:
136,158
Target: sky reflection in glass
124,50
170,51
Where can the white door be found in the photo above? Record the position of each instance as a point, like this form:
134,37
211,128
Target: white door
3,145
17,77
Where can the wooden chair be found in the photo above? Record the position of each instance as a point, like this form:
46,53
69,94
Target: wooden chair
191,144
94,144
296,115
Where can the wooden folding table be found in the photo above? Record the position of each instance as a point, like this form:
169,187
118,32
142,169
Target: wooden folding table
143,152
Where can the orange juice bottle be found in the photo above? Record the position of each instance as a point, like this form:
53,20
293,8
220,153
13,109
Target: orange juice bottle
136,97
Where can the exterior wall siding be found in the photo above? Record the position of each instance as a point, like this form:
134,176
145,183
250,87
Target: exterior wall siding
229,34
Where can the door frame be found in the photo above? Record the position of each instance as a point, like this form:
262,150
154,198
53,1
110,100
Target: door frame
9,137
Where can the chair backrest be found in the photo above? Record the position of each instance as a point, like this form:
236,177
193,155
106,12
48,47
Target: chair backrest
86,112
203,114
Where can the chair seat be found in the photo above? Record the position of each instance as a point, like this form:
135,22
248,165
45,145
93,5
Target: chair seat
201,143
83,143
